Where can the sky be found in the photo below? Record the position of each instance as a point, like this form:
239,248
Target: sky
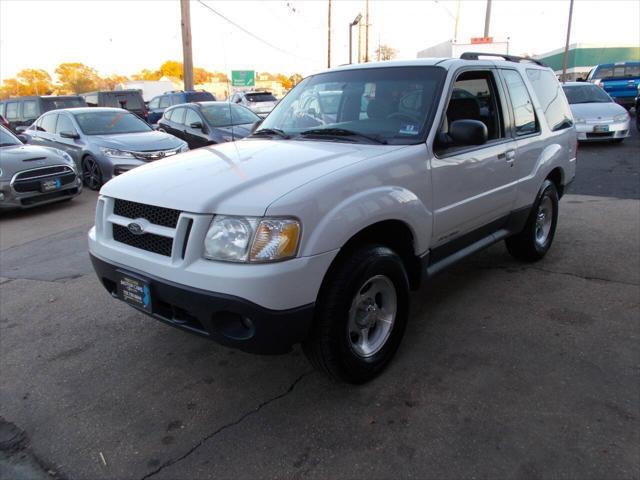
118,36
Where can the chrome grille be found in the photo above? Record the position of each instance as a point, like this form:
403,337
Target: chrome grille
43,172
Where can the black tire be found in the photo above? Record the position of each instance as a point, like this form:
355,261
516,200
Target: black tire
91,173
528,245
330,346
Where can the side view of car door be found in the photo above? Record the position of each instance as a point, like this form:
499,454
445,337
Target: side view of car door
175,123
473,185
68,139
43,131
195,129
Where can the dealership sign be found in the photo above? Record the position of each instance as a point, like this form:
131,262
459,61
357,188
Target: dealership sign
243,78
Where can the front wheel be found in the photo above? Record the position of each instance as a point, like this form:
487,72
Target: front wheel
361,315
535,240
91,173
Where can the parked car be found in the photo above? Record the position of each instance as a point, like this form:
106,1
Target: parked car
148,88
596,115
31,176
130,100
620,80
21,112
159,104
104,142
314,231
207,123
5,124
638,110
260,102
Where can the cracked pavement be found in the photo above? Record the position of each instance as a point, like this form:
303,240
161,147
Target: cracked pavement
506,369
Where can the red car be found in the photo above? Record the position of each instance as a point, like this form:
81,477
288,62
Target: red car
4,123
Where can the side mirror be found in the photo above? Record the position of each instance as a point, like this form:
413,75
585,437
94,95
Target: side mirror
21,129
256,124
197,125
468,132
23,138
67,134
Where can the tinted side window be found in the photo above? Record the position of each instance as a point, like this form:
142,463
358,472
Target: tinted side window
29,109
525,117
603,72
2,109
178,115
12,111
551,97
176,99
632,70
64,125
191,117
154,103
48,123
165,101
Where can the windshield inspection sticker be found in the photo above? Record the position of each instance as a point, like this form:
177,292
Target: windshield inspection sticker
409,129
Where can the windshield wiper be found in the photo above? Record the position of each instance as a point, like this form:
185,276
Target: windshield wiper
270,131
342,132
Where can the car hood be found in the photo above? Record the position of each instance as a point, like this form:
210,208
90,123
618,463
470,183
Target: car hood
596,111
138,142
25,157
236,178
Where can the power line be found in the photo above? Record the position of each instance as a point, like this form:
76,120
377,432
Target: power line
253,35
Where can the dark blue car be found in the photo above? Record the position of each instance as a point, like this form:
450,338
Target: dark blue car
620,80
159,104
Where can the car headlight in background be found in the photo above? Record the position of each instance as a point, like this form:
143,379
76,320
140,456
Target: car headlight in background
251,239
621,118
114,152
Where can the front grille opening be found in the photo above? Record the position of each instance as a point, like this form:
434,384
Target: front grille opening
147,241
178,316
166,217
23,185
41,172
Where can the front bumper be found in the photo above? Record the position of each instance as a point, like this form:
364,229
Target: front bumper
226,319
616,130
10,199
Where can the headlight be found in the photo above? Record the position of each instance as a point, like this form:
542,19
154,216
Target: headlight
241,239
621,118
114,152
183,148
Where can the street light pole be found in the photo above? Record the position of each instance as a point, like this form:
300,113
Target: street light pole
187,55
351,25
566,45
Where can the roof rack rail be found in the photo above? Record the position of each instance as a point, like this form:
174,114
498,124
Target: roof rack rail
508,58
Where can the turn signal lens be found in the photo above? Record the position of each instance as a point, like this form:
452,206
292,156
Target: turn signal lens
275,239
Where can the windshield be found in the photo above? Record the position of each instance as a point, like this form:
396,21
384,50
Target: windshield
585,94
7,139
227,114
110,123
261,97
62,102
394,104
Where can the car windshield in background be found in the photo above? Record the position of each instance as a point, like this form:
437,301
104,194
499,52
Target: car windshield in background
128,101
227,114
110,123
55,103
587,93
7,139
393,105
261,97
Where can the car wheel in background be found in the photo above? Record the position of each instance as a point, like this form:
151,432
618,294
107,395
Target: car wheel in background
535,240
91,173
361,315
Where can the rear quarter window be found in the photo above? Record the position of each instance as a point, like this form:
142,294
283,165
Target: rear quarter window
551,97
200,97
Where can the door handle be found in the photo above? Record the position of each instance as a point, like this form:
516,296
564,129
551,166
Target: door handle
509,156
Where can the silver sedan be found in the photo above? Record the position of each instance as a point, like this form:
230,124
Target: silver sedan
597,116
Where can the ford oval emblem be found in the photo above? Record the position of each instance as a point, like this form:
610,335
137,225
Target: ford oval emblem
135,228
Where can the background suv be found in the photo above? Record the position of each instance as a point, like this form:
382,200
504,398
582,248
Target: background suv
22,111
159,104
260,102
130,100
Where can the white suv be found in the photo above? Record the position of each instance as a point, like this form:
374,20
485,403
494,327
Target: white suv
314,229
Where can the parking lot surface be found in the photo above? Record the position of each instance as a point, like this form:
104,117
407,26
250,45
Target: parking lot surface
507,370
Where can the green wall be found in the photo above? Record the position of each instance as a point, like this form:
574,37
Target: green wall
588,57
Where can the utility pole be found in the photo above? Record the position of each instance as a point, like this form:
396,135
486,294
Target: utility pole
329,38
455,28
187,55
566,45
487,19
359,42
366,32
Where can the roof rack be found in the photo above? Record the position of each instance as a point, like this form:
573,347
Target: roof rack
508,58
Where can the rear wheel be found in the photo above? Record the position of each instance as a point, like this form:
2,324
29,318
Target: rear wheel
91,173
535,240
361,315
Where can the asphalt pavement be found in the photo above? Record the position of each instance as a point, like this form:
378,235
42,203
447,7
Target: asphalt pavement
507,370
